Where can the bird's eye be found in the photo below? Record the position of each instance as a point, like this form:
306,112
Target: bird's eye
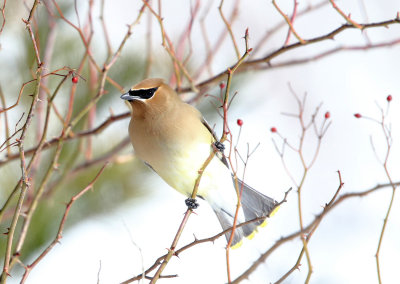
143,93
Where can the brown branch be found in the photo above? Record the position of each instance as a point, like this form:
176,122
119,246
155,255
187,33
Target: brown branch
4,15
186,36
24,184
171,250
65,133
47,57
212,52
54,141
330,52
335,201
86,42
41,142
110,157
200,241
265,61
7,130
105,31
167,44
347,18
289,22
306,166
149,47
39,192
78,135
386,130
58,237
283,23
292,18
31,34
213,151
225,132
309,235
317,220
19,96
229,29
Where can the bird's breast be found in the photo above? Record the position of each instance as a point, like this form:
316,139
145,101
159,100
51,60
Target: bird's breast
177,155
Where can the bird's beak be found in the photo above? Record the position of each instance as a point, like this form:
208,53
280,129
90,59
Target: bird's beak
128,97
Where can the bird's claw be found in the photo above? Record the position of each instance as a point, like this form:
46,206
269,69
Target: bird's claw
219,146
191,203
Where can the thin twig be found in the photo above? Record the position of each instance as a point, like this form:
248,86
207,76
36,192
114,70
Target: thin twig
62,224
309,235
294,14
306,166
317,220
265,61
78,135
7,129
4,15
388,138
229,28
213,51
347,18
289,22
167,44
213,151
24,178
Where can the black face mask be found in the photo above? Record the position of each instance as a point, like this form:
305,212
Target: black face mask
144,94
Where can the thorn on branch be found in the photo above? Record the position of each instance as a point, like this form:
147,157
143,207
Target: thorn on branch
289,22
284,197
6,233
347,18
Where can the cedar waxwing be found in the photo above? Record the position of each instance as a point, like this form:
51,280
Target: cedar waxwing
172,138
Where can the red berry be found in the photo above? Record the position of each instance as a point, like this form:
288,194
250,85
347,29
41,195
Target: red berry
389,98
239,122
327,115
75,79
222,85
273,129
357,115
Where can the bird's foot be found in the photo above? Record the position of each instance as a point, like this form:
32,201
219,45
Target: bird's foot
191,203
220,147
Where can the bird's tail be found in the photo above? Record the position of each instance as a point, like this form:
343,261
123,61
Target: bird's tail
254,205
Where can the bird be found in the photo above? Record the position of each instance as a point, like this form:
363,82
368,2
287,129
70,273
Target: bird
174,140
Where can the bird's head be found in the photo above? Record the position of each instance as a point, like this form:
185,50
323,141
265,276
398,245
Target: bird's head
150,95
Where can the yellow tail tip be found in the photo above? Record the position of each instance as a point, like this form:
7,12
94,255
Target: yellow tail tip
237,245
262,225
251,236
274,211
